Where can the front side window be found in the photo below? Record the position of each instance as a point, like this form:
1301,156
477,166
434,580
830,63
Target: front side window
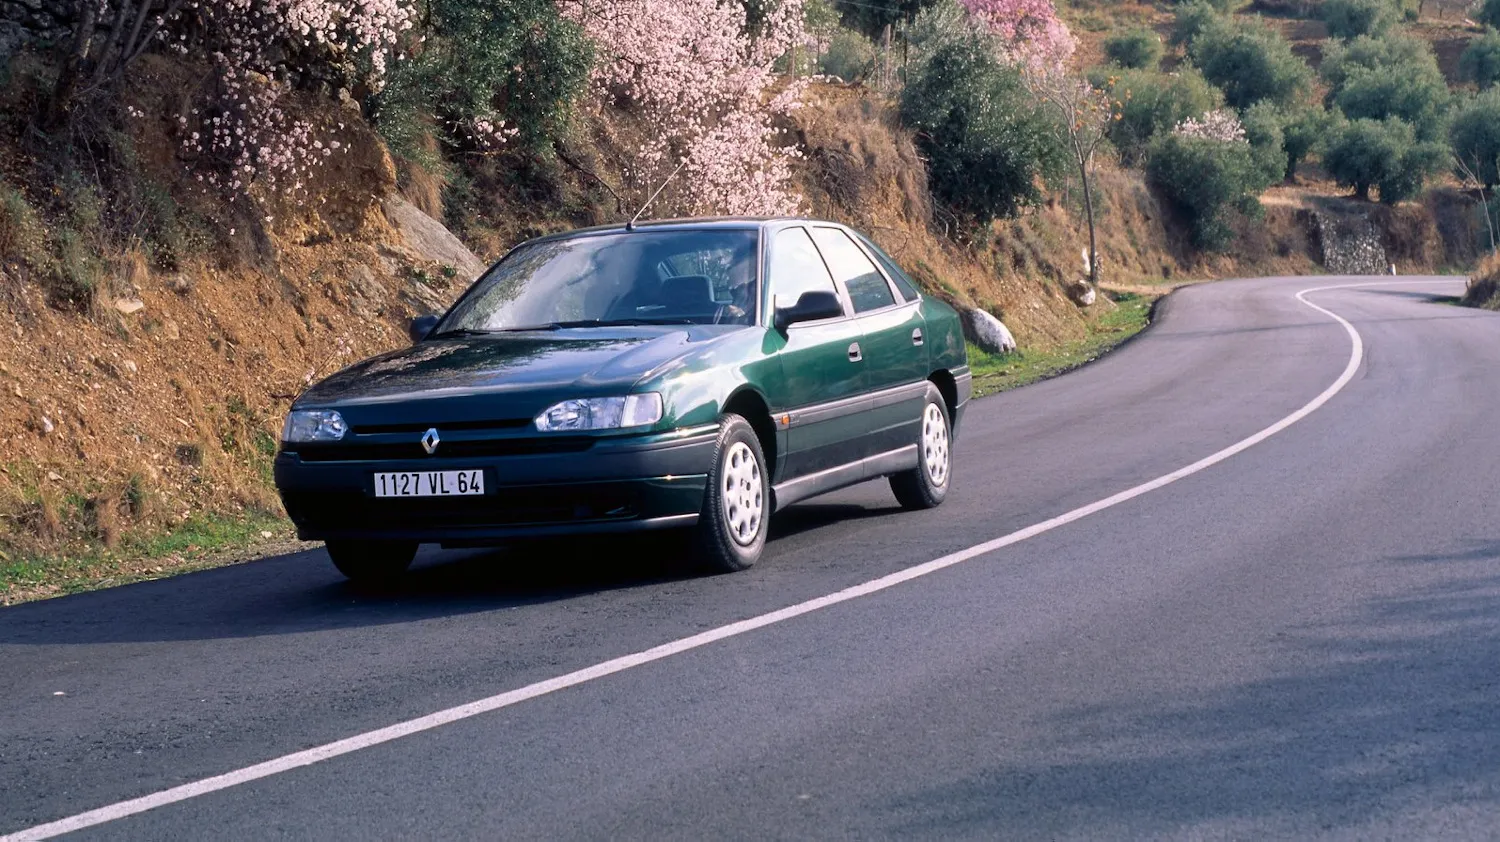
796,268
635,277
867,287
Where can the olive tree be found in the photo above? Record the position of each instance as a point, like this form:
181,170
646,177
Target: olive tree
1251,62
1352,18
1480,61
1395,76
1475,136
1385,154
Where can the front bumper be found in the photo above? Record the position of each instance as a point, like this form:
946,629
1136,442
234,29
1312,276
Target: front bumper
616,484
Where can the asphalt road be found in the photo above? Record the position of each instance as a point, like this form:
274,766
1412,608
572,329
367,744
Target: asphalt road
1300,641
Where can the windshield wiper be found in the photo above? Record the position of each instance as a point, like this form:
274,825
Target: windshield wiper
459,331
619,323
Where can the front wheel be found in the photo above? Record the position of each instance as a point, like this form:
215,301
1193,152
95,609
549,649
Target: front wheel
731,529
372,562
926,485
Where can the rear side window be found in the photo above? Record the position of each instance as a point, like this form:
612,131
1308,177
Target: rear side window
903,284
796,268
867,287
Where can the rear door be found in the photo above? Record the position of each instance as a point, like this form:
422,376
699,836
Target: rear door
822,373
891,343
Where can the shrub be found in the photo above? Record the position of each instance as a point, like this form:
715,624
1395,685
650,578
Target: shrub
1475,136
23,237
489,73
1385,154
1352,18
1135,48
1395,76
1250,63
986,141
933,28
1263,129
849,56
1489,13
1484,284
1208,182
1193,19
1222,7
1151,103
1480,62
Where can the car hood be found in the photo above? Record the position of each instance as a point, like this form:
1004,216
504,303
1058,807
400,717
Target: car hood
544,364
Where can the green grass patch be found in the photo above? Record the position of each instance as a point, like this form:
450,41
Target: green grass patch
1001,372
200,542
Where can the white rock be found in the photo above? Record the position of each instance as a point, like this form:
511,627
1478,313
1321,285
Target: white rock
988,332
130,305
130,366
428,238
47,426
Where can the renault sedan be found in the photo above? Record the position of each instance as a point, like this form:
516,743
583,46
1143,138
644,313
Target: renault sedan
693,375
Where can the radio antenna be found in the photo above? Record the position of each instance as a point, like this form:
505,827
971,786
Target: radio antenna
630,226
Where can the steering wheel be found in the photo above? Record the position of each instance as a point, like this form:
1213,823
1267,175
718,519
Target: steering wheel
729,310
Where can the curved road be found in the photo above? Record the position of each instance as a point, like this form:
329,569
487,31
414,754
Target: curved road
1300,639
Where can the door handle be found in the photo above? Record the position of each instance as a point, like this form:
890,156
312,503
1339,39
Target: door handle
854,354
916,336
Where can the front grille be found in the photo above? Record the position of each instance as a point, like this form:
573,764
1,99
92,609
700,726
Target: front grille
378,429
357,452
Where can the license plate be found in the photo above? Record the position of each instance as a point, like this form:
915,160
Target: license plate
429,483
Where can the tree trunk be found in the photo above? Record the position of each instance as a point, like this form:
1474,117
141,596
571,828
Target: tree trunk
1088,208
55,115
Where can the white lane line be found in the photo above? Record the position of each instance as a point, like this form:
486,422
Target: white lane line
310,756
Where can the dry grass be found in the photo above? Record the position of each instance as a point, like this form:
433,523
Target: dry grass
1484,285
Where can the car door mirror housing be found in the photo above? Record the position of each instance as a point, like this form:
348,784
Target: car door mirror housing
421,326
811,307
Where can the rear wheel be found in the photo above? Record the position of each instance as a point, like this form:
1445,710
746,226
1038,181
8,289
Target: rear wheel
926,485
372,562
731,529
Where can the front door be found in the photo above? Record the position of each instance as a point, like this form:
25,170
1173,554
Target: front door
891,342
822,368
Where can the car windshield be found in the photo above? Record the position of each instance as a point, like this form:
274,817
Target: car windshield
636,277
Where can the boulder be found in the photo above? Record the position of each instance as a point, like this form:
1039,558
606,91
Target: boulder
429,239
1081,293
988,332
367,295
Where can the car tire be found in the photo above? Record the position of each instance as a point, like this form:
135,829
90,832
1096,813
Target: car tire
731,530
926,485
372,562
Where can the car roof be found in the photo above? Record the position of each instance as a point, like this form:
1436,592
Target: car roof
696,223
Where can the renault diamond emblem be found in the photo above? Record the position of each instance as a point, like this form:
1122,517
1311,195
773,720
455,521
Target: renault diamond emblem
430,441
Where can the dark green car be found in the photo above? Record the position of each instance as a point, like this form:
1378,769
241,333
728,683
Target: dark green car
697,374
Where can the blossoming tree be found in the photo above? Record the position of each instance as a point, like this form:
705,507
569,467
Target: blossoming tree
1030,31
704,84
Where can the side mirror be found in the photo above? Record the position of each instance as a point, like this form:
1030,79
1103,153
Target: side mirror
421,326
811,307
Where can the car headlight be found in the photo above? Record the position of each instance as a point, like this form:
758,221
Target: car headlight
307,425
601,413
